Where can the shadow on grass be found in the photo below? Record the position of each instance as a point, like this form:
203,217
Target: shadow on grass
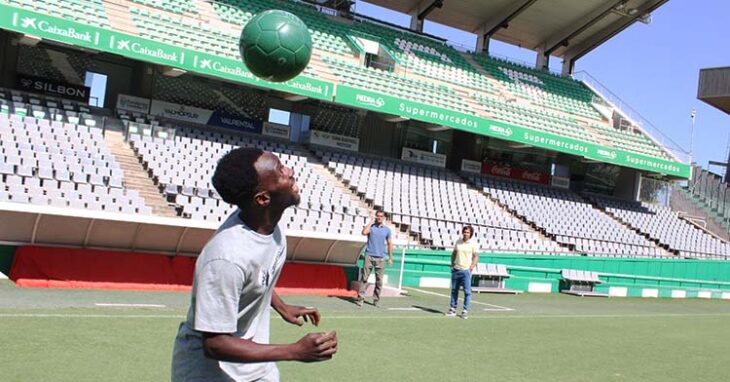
428,310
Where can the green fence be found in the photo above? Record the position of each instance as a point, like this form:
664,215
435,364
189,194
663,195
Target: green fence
633,274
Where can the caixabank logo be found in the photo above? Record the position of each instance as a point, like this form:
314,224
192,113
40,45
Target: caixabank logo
50,27
147,49
218,67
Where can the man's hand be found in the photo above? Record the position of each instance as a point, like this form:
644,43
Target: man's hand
316,347
390,261
292,314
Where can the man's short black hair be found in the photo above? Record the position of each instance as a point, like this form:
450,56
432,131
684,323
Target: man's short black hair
235,177
380,212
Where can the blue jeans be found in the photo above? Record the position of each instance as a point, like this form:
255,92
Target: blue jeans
460,278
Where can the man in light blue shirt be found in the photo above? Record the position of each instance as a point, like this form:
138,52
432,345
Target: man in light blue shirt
378,236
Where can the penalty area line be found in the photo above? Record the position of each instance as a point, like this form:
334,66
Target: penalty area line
494,308
106,305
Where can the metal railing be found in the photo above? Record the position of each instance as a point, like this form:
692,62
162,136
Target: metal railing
673,148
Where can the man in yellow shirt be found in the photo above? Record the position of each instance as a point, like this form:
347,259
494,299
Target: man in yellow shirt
464,259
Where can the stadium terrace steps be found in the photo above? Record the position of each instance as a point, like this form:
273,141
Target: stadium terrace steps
135,177
432,204
470,59
596,136
665,226
514,213
119,16
60,61
330,175
663,248
567,218
461,93
322,69
684,202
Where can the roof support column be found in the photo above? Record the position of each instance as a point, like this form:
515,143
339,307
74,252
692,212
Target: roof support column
416,23
482,43
568,65
543,60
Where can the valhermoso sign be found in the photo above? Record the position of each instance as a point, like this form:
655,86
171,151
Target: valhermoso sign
180,112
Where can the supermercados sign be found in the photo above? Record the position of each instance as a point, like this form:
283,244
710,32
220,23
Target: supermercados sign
383,103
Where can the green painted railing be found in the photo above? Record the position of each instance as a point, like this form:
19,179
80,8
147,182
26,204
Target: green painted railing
632,273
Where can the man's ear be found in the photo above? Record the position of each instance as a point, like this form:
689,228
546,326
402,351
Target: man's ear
262,199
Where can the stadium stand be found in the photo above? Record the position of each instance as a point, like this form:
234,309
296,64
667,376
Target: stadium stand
38,63
544,120
336,120
53,154
90,12
709,195
386,82
665,226
433,204
541,88
183,166
630,141
512,216
195,91
424,66
567,218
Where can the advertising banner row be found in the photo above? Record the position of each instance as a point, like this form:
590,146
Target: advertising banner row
46,26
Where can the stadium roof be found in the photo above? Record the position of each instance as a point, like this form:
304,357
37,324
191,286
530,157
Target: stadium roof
714,88
565,28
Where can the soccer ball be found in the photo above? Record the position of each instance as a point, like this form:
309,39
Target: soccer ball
275,45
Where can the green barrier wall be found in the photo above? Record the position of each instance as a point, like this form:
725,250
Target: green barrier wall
635,274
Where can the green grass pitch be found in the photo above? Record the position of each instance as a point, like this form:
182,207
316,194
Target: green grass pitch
64,335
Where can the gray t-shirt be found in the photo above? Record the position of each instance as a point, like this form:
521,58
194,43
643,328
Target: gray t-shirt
232,288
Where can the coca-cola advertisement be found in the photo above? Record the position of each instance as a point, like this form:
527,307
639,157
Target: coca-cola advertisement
506,171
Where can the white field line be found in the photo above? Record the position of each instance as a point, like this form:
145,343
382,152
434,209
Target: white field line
404,309
59,315
370,317
495,308
130,305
